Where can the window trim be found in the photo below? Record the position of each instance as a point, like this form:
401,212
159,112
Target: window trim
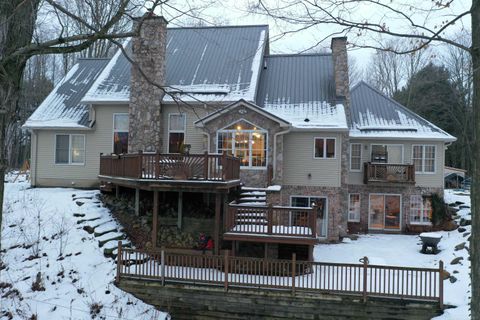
360,213
325,148
422,223
401,211
361,147
423,158
70,163
232,131
184,131
326,211
113,127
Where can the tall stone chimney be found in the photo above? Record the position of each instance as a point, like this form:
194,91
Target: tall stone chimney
340,71
148,54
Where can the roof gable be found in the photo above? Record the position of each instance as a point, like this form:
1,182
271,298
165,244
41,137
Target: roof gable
207,64
375,115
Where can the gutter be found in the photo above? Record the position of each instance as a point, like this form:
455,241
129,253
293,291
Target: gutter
275,149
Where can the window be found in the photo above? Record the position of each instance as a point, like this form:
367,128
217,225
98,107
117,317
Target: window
245,141
322,217
355,156
176,132
120,133
423,157
69,149
324,148
354,207
420,209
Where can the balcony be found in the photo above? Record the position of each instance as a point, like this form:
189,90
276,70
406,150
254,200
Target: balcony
271,224
386,173
160,167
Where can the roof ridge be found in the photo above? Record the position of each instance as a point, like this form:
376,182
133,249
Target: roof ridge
361,82
220,27
297,55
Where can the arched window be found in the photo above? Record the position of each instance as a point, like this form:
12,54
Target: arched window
245,141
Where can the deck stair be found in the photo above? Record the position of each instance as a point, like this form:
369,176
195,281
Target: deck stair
252,197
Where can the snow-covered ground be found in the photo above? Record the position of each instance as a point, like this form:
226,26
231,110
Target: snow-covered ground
77,278
404,250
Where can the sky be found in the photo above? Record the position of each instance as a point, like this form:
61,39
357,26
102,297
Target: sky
237,12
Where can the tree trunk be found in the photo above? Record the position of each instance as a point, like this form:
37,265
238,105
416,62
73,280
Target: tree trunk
475,192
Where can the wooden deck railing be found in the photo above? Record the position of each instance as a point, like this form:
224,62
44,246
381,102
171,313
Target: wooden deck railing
214,167
362,279
272,220
387,172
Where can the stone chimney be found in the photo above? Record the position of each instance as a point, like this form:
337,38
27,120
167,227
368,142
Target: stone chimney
340,72
148,53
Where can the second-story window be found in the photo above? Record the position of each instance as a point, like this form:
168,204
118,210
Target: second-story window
245,141
324,148
355,156
423,157
176,132
120,133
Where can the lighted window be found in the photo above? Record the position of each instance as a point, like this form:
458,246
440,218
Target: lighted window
420,209
324,148
176,133
69,149
120,133
354,207
423,157
355,156
245,141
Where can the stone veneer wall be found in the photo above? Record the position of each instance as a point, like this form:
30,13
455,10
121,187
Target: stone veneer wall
148,51
404,191
250,177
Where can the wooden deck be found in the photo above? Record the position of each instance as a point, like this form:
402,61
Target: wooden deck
386,173
272,224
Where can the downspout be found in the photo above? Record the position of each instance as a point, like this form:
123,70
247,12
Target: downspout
275,150
36,159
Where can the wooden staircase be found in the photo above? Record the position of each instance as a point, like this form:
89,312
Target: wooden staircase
252,197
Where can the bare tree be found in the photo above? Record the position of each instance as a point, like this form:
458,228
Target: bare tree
419,24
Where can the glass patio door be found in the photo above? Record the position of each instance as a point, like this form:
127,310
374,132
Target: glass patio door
384,212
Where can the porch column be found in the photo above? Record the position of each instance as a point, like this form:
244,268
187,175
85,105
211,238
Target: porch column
155,219
137,201
310,252
117,191
216,236
180,210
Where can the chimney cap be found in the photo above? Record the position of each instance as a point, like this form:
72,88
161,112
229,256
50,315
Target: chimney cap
149,15
337,40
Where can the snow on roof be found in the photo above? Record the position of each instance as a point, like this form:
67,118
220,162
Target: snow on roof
313,115
218,64
62,107
374,115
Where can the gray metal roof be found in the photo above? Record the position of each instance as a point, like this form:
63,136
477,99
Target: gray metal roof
62,107
219,61
296,79
375,115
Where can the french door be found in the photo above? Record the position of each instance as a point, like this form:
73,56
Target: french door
385,212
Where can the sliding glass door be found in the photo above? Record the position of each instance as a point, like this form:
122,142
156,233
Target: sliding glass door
322,215
385,211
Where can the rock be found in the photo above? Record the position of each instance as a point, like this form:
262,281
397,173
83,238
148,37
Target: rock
445,275
465,222
459,203
449,225
456,260
466,234
461,229
79,203
464,206
456,271
88,229
453,279
79,215
460,246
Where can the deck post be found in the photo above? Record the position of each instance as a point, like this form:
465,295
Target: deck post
365,274
226,270
216,235
137,202
294,265
205,166
155,219
162,266
119,261
180,210
440,284
117,191
269,219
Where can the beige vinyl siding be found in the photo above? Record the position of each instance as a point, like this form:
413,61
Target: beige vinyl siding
299,161
193,135
422,179
97,140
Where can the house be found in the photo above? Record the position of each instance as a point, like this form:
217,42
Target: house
290,154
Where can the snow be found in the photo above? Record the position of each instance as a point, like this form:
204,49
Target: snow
274,188
404,250
435,235
75,280
281,230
